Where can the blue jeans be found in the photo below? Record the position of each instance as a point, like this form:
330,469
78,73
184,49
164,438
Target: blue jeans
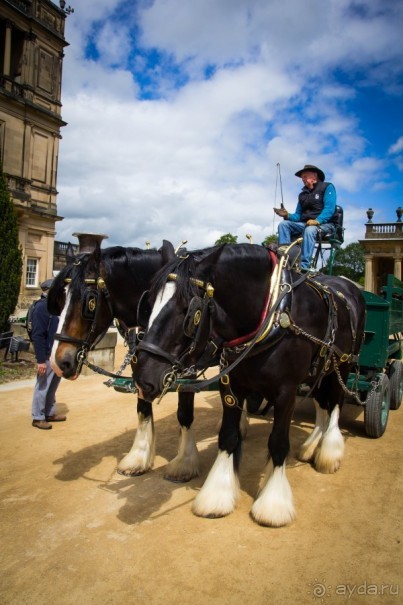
288,231
44,397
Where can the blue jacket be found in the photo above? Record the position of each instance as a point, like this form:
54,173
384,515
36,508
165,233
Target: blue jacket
44,327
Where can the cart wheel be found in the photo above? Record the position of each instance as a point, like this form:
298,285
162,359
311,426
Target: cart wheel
396,384
376,410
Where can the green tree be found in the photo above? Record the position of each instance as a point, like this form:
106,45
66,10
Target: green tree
270,239
10,255
350,262
228,238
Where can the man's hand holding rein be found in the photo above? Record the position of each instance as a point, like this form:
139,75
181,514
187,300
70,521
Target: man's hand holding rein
281,212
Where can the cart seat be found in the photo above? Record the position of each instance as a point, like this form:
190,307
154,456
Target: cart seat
331,241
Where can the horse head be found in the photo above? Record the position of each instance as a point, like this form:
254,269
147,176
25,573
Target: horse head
95,287
184,312
80,297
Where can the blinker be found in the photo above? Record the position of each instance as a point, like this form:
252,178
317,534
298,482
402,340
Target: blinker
193,316
89,304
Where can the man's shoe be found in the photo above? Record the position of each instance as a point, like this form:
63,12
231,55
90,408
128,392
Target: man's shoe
41,424
56,418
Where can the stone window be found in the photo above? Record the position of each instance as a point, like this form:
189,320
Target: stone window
31,278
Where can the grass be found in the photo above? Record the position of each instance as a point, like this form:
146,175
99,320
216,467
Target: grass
23,369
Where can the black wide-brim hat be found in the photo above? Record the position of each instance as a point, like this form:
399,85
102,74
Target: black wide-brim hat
46,285
311,168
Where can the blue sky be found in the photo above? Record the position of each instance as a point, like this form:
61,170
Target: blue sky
179,111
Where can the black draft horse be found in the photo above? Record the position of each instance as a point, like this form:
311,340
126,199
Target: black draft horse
317,325
95,287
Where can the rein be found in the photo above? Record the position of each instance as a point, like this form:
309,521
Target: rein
199,385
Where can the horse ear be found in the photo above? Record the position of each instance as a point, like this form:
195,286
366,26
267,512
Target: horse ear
70,252
97,252
167,251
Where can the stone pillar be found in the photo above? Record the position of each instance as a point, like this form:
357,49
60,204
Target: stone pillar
28,59
26,150
398,268
369,274
7,50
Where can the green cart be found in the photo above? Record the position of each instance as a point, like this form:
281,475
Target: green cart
378,380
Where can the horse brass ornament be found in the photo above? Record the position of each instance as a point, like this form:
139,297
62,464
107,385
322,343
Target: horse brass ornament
92,304
284,320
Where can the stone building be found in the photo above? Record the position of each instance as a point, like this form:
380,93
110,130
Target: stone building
383,249
61,251
31,56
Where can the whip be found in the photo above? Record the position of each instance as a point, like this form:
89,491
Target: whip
278,179
278,182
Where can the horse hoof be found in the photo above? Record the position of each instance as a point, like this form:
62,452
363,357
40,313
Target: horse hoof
129,473
326,467
177,479
210,515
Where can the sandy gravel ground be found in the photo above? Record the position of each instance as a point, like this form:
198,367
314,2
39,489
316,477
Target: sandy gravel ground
74,531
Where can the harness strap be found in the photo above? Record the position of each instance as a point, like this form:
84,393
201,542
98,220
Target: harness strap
156,350
196,386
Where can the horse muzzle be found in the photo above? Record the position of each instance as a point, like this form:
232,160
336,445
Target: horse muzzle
64,362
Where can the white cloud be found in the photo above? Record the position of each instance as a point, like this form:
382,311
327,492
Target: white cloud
396,147
199,160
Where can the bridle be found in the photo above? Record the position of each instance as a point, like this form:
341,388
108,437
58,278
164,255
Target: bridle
196,324
90,310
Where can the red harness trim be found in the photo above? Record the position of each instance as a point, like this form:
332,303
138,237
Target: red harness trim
242,339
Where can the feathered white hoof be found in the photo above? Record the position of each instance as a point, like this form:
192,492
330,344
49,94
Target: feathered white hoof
140,459
330,450
220,492
274,506
307,450
185,465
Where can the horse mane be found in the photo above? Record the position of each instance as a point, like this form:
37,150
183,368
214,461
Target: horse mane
118,257
87,265
183,268
76,271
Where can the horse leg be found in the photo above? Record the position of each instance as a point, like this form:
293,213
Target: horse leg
330,449
185,465
243,423
220,492
274,505
307,449
140,459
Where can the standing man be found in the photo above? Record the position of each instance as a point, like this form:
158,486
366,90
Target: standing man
44,327
315,209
